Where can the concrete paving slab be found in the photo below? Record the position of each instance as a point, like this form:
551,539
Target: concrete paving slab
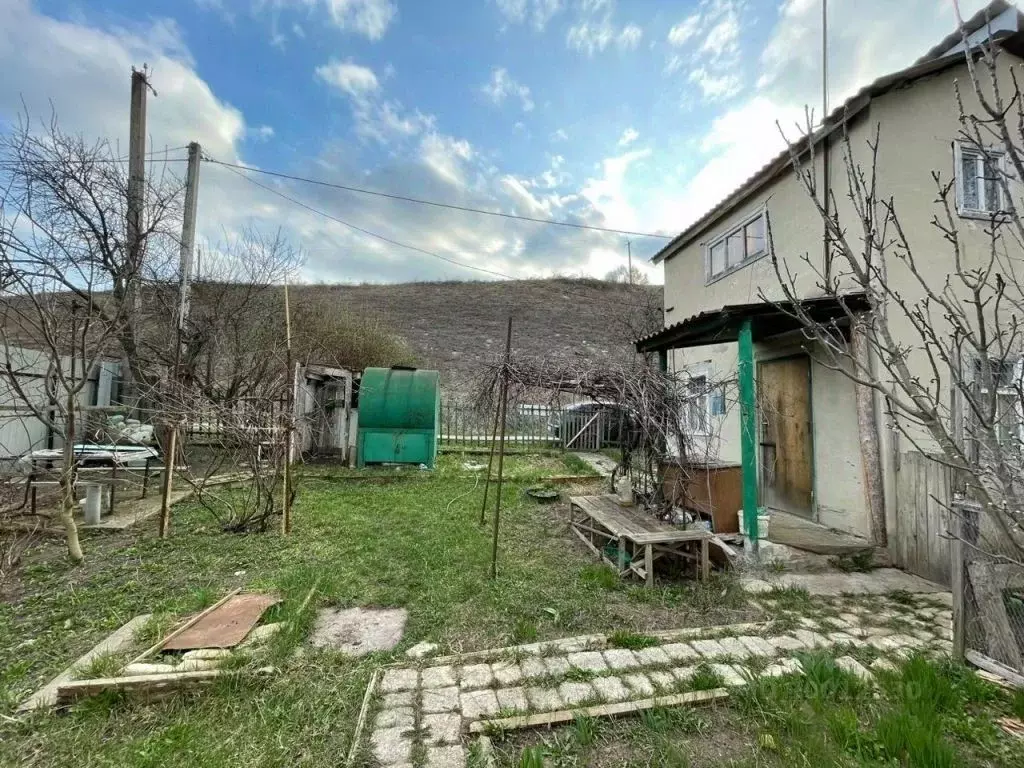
359,631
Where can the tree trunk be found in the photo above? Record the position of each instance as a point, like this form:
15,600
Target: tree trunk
68,502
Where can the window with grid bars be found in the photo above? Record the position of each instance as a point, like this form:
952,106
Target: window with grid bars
1008,422
979,191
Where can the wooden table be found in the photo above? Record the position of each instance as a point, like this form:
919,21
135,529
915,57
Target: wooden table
599,520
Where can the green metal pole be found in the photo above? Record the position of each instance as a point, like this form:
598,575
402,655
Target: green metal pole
748,431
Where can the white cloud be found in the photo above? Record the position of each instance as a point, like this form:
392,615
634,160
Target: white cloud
629,37
446,156
723,38
714,63
590,38
370,18
377,118
860,48
538,12
684,30
559,135
502,85
355,80
674,63
261,133
716,87
608,194
595,29
628,136
83,71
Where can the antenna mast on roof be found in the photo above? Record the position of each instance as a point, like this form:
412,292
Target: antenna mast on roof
825,170
824,60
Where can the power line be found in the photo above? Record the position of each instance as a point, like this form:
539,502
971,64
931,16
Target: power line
435,204
390,240
367,232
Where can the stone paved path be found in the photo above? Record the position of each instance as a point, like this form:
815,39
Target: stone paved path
422,713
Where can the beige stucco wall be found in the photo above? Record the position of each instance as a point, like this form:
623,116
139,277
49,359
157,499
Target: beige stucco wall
919,124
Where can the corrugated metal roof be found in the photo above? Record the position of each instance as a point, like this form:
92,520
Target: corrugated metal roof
721,325
926,65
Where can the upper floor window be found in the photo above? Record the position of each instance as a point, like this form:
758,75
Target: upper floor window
734,248
979,191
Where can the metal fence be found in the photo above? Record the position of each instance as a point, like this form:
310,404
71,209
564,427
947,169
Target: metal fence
578,428
211,423
988,594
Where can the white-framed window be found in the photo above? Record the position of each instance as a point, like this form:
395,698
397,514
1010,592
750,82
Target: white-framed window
1009,418
737,246
979,191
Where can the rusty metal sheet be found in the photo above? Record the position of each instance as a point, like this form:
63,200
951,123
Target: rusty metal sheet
225,627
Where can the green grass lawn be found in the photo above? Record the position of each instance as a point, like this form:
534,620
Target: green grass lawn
925,715
413,541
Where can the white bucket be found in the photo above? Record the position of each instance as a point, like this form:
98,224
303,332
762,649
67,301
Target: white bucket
763,522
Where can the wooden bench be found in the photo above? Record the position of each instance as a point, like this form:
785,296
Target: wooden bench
601,520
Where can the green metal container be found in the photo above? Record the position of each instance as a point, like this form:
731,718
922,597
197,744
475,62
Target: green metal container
399,413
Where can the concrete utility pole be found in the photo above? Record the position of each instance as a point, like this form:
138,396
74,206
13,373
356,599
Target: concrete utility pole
629,255
188,238
135,225
188,231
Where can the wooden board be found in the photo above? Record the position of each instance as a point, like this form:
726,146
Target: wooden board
122,638
224,627
79,689
600,710
787,458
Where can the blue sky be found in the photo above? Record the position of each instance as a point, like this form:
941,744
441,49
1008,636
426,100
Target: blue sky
631,114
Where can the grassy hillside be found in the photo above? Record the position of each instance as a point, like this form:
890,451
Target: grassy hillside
454,326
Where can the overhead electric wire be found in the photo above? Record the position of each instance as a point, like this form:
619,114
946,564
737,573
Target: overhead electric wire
367,232
152,156
434,203
385,238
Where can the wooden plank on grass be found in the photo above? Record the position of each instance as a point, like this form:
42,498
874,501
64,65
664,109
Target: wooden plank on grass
980,660
79,689
116,641
371,688
600,710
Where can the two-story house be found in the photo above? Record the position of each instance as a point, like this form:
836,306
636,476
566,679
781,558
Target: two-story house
801,453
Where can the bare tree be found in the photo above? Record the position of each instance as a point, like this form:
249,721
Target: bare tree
76,192
658,414
51,338
628,275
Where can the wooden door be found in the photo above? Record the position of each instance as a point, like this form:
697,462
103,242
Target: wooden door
784,401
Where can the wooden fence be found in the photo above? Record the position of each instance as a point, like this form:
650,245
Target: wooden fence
920,542
988,595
